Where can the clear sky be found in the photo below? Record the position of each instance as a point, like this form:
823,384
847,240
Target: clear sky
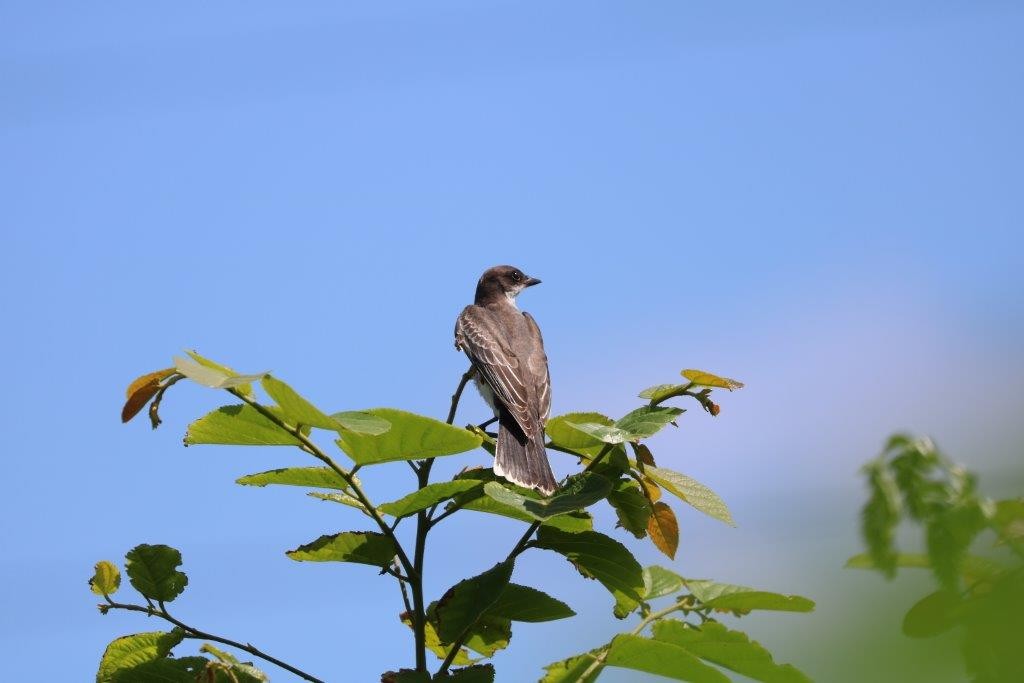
822,199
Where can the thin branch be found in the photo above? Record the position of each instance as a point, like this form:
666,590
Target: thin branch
466,376
307,445
192,632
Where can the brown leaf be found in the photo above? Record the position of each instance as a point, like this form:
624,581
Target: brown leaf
663,529
643,454
651,490
138,400
147,379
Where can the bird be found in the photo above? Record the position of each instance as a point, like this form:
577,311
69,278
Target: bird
505,347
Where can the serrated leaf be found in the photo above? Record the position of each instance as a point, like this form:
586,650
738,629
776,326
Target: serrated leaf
599,557
659,582
706,379
691,492
106,578
662,392
732,650
489,634
522,603
646,421
727,596
214,375
311,477
931,615
152,570
362,422
661,658
362,547
411,437
579,492
127,652
295,408
572,670
466,601
631,507
427,496
240,425
663,529
433,642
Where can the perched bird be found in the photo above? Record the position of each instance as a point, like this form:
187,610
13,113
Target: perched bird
505,347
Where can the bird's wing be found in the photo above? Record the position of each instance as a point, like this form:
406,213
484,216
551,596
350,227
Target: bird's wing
479,334
542,374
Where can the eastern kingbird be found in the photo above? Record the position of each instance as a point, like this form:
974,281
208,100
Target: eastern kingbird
505,347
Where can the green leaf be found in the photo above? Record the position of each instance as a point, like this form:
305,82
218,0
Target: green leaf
342,498
880,516
973,567
474,499
604,433
646,421
427,496
730,597
659,582
152,570
295,408
579,492
522,603
931,615
130,651
167,670
411,437
433,642
661,658
599,557
489,634
691,492
706,379
564,435
948,536
238,425
466,601
363,547
311,477
571,670
631,507
106,579
478,673
362,422
729,649
661,392
214,375
405,676
231,669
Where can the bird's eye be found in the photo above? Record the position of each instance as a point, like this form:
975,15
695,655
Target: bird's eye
516,275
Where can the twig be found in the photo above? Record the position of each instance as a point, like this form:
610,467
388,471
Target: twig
192,632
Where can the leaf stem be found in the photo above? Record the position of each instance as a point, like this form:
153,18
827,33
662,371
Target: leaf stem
192,632
653,616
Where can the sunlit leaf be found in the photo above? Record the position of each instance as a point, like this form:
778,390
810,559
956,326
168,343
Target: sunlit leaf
127,652
563,434
662,392
342,498
106,579
727,596
427,496
489,634
604,433
663,529
311,477
599,557
153,571
411,437
210,374
238,425
585,489
661,658
362,422
363,547
469,599
572,670
231,669
296,409
729,649
141,391
659,582
433,642
522,603
476,500
691,492
646,421
706,379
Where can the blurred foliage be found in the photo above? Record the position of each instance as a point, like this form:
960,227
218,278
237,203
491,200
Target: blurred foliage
974,549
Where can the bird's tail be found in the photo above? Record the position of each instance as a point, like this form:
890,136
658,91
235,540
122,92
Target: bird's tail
522,460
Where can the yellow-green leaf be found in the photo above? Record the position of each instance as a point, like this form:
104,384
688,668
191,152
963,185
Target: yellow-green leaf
240,425
106,579
706,379
691,492
411,437
363,547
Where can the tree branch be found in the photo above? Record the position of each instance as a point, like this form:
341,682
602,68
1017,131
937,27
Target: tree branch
192,632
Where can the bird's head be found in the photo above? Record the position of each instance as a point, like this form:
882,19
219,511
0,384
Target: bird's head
503,281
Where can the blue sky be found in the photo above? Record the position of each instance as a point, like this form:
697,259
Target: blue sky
821,199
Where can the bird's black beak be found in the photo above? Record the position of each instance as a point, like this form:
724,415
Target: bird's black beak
531,281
